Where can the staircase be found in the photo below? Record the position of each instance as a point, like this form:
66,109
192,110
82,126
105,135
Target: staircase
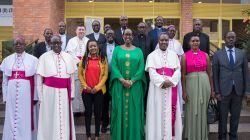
243,131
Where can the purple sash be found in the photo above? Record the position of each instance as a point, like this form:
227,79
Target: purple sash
170,72
61,83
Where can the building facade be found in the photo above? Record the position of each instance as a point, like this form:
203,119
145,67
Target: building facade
31,17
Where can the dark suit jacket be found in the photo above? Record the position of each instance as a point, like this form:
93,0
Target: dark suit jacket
67,39
118,37
204,42
39,49
153,38
104,49
101,40
141,42
224,75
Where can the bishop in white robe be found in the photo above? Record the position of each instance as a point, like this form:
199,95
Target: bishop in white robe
55,85
77,48
163,118
18,93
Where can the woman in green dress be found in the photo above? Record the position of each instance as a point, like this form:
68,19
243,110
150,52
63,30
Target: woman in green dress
127,88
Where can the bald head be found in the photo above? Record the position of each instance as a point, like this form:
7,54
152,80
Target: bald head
19,44
62,27
124,22
197,27
56,43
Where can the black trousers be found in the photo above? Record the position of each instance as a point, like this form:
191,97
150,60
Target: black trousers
105,107
88,100
231,103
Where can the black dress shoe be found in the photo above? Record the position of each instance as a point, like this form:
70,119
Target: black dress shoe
104,129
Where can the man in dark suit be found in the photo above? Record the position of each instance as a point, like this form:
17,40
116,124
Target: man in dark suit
197,31
230,76
106,28
140,39
64,38
107,50
154,34
43,47
97,36
119,32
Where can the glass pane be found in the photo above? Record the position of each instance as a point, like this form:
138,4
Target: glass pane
241,34
236,1
214,46
206,1
6,2
114,22
210,27
225,27
72,23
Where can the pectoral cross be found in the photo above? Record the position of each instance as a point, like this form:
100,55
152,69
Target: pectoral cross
16,75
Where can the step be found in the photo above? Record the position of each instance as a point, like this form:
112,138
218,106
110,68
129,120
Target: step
243,131
80,133
77,120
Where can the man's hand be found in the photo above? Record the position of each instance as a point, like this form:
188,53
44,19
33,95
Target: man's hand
127,83
167,84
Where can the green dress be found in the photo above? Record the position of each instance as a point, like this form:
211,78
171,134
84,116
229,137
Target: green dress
127,116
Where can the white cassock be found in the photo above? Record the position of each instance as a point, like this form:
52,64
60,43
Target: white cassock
54,117
159,118
17,95
175,45
77,49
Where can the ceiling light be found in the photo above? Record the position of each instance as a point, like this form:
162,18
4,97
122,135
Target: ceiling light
199,2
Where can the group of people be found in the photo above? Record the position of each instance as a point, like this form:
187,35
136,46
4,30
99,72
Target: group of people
145,75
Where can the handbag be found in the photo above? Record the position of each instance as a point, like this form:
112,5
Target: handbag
212,111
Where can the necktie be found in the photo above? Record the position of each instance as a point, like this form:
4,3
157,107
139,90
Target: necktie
231,58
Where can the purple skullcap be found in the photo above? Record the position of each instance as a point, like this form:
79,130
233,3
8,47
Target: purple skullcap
171,26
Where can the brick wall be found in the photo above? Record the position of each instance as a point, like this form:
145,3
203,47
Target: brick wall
186,14
31,17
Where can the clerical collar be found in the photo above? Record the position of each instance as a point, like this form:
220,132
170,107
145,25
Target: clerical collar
62,35
96,33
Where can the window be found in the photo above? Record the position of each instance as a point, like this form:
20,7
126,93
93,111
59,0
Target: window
236,1
6,2
72,23
206,1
